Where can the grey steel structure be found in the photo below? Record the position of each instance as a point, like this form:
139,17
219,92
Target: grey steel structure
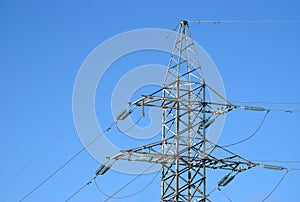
185,151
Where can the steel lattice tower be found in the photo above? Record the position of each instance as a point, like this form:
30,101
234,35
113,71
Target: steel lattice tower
185,152
183,124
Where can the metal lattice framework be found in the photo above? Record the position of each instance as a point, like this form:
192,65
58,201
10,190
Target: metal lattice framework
185,152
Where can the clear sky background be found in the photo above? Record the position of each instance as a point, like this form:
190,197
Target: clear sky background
43,44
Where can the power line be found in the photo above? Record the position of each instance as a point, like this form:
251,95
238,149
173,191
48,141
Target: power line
265,109
280,181
38,154
253,134
186,116
127,196
81,188
285,110
226,196
94,178
197,22
268,167
54,173
151,155
113,195
267,102
66,163
73,157
123,187
127,130
62,166
105,94
44,149
245,21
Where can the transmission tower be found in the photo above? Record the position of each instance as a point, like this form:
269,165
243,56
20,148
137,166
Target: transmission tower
185,151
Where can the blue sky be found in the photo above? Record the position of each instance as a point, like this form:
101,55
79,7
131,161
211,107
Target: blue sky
43,45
